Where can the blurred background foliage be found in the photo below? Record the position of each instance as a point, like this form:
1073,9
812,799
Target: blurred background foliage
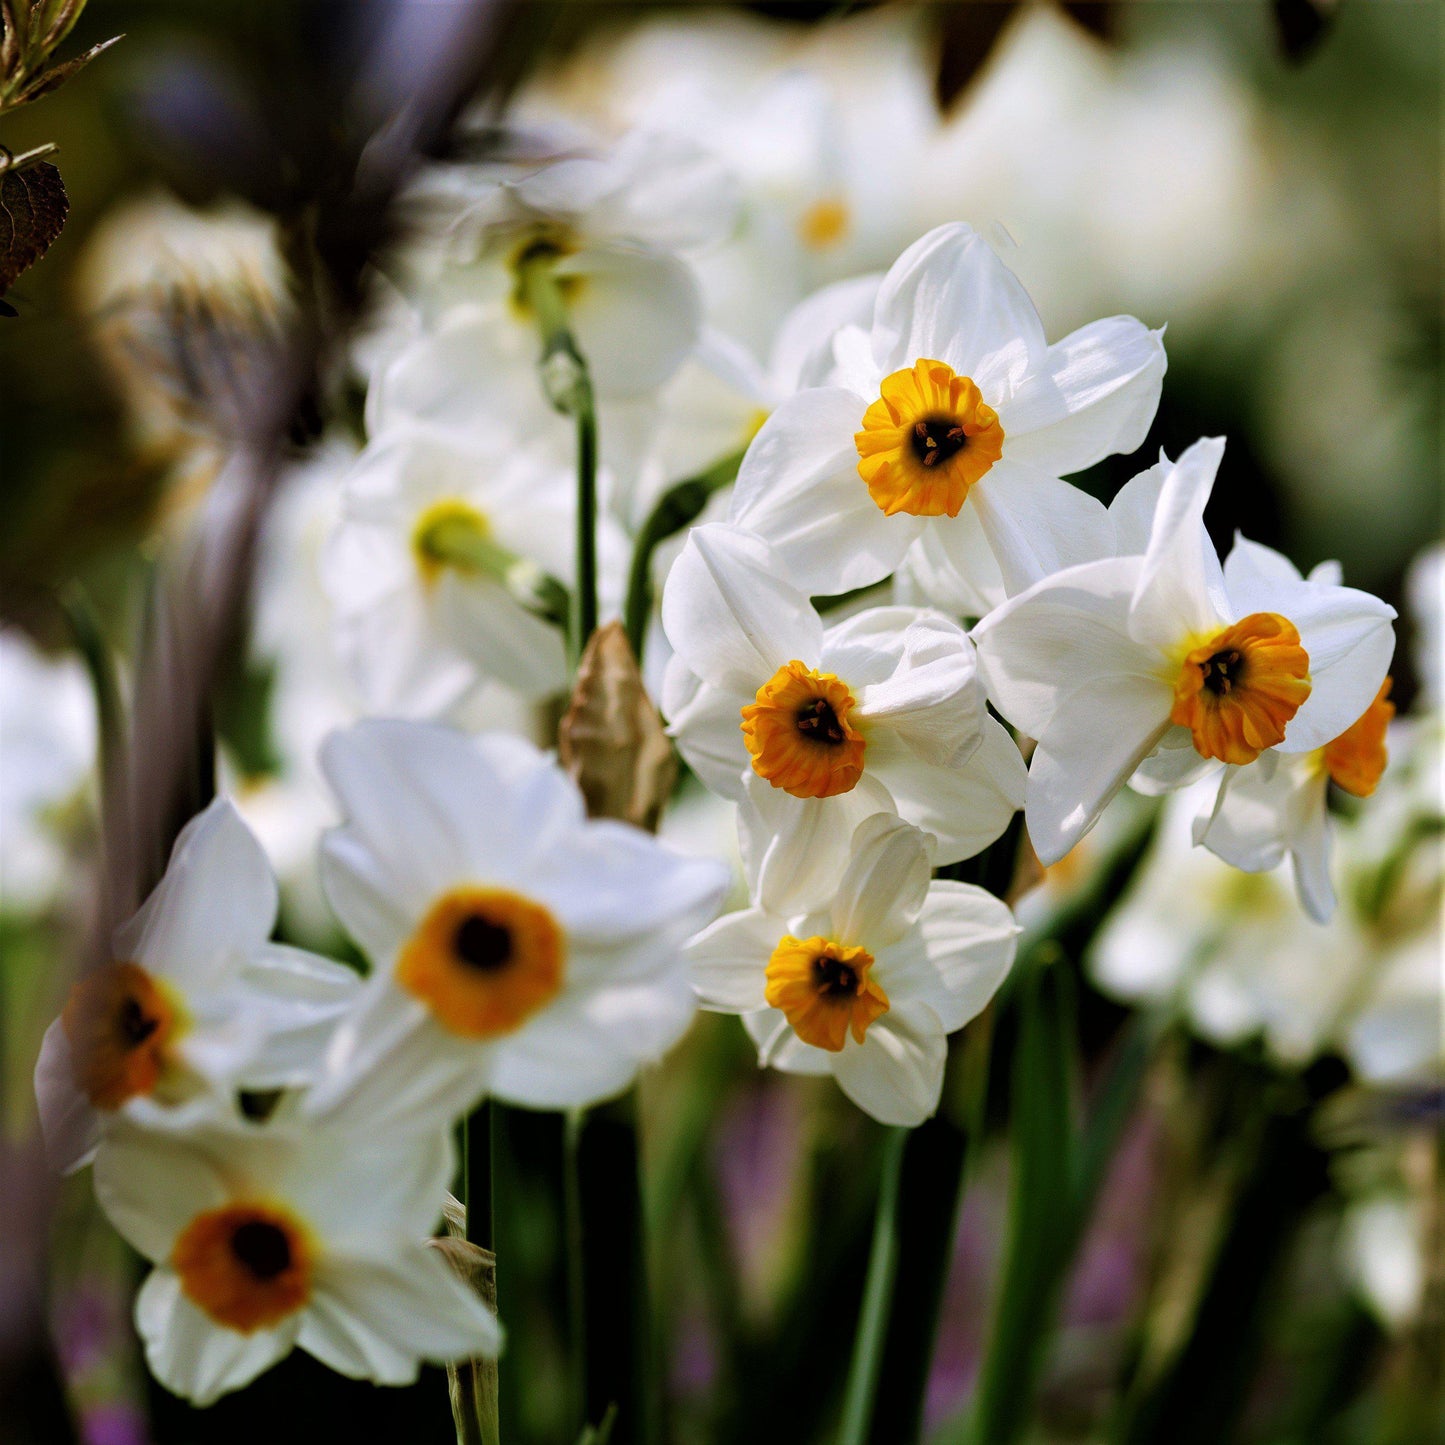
1266,180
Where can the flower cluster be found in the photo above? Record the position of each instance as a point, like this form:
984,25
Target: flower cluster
879,621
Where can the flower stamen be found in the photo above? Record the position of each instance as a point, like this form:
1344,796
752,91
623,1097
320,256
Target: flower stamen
800,736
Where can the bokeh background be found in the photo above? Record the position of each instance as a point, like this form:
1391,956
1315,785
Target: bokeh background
1264,179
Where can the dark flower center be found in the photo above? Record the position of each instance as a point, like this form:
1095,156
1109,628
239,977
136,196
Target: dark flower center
481,944
1222,672
135,1025
937,438
835,977
819,723
262,1248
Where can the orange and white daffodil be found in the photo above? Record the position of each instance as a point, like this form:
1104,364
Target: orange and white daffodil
1167,663
813,729
868,985
613,226
301,1232
195,997
952,419
519,949
436,548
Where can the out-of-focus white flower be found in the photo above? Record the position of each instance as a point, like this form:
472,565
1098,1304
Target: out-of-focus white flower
1425,588
47,751
610,224
952,416
519,949
434,546
195,998
813,730
868,985
1278,805
300,1232
1164,663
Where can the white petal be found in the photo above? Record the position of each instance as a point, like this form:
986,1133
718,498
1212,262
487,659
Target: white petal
304,996
484,623
799,487
378,1316
1173,765
1095,395
71,1128
896,1073
886,881
955,568
780,1048
1101,732
1310,854
636,314
914,675
706,723
801,350
730,614
1039,646
728,960
966,940
1036,525
193,1356
949,298
964,807
215,906
1181,584
795,849
1132,510
152,1183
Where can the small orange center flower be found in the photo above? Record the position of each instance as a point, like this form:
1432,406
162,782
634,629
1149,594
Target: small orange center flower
926,440
248,1266
799,734
484,960
1237,690
1357,758
119,1022
824,990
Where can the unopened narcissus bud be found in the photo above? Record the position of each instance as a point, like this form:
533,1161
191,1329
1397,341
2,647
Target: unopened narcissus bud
612,740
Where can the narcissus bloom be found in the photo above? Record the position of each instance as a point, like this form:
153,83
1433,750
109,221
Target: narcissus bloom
437,548
518,948
304,1232
868,986
195,997
1170,658
1278,805
953,418
814,729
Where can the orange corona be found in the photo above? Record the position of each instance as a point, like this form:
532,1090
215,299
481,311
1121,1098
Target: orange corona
824,990
927,440
1356,759
248,1266
1237,690
484,960
119,1023
800,735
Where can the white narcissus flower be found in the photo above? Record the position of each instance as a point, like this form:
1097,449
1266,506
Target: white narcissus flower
195,998
953,418
611,224
433,548
812,729
1278,806
518,948
1113,661
304,1232
868,986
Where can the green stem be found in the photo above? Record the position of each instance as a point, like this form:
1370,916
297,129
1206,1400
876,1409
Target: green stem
458,542
678,507
568,385
877,1295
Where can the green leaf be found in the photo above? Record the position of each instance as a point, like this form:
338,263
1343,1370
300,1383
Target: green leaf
33,208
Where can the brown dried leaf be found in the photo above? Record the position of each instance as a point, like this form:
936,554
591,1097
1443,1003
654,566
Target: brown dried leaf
57,75
612,740
472,1384
33,207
